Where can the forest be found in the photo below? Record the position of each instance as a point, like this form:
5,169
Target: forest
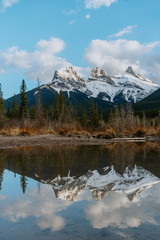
61,118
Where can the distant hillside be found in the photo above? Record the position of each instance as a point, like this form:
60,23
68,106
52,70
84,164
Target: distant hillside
150,105
74,98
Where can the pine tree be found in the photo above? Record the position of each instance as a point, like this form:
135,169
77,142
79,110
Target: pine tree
9,110
15,109
23,112
144,120
111,118
45,112
51,111
84,117
32,113
2,167
116,117
63,108
75,113
57,107
39,103
129,116
122,124
2,108
94,117
24,183
72,113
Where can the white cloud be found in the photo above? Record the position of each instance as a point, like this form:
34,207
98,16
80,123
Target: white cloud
41,62
53,46
8,3
44,207
115,56
2,71
117,211
72,22
125,30
98,3
72,12
88,16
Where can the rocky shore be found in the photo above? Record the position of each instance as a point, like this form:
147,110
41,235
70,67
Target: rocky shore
52,140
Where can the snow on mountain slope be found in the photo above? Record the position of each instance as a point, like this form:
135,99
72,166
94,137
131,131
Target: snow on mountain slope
131,182
67,80
130,85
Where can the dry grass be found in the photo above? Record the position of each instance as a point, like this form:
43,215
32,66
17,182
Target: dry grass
107,134
73,129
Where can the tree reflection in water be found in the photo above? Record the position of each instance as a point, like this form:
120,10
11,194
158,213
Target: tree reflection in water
51,162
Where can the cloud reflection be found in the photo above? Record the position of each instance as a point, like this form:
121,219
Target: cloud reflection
44,207
117,211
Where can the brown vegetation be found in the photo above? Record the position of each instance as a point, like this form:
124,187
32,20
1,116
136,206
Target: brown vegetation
31,128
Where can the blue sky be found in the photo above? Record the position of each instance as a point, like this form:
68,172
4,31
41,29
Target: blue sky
39,36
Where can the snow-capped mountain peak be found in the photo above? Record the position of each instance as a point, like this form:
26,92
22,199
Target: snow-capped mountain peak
98,73
67,80
67,74
101,75
131,72
129,87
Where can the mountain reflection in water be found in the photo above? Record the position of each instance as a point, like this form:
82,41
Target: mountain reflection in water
91,192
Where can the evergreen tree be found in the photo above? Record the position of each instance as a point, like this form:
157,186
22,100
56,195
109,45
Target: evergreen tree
45,111
75,113
2,167
116,117
9,110
57,107
63,117
94,117
129,116
84,117
32,113
1,180
2,108
123,118
24,183
15,109
72,113
62,101
111,117
23,111
144,120
39,102
51,111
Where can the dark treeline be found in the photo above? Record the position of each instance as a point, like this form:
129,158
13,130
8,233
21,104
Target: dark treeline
59,115
57,111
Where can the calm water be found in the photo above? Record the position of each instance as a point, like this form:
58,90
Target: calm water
92,192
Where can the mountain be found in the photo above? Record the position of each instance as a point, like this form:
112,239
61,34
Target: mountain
150,105
131,182
105,90
128,87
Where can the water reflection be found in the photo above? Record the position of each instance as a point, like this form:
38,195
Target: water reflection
91,192
44,207
132,182
116,210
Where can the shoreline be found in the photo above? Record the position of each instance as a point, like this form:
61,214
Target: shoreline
53,140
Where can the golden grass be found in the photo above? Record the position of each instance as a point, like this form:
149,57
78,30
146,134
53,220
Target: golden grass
71,130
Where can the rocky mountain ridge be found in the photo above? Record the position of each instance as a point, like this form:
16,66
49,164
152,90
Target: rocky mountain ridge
129,87
105,90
